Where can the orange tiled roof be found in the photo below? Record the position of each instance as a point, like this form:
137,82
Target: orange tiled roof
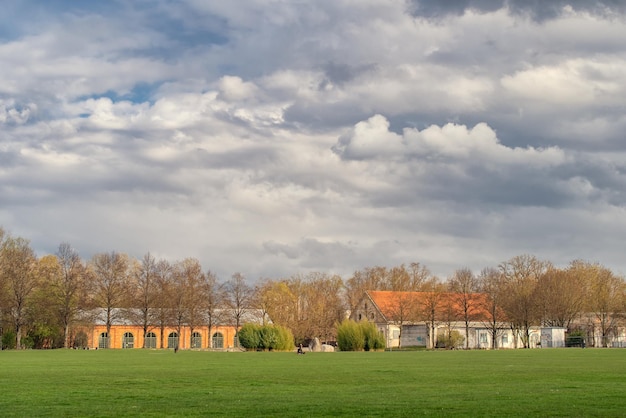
446,303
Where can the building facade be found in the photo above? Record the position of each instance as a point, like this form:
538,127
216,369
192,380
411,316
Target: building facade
396,317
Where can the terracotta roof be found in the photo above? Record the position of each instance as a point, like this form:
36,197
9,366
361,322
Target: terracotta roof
390,303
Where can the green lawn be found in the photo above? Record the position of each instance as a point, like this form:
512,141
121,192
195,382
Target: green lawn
548,382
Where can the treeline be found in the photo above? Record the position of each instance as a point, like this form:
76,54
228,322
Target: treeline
42,299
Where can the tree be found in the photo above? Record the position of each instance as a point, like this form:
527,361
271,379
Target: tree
18,263
404,308
373,278
179,295
463,284
68,290
605,299
560,294
239,297
521,275
431,306
144,293
162,302
322,305
109,285
214,300
491,285
193,292
45,321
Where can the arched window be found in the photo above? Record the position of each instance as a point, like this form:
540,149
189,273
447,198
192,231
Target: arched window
172,340
128,341
103,340
218,340
150,340
196,340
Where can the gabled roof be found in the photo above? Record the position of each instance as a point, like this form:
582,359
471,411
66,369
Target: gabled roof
446,303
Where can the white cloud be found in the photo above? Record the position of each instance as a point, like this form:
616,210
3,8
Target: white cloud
275,137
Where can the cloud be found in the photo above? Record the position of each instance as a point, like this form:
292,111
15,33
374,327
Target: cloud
273,138
536,10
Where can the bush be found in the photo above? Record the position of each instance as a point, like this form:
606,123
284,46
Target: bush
452,339
285,340
373,339
357,336
350,336
8,340
249,336
266,337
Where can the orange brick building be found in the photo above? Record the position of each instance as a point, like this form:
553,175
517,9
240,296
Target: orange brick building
129,336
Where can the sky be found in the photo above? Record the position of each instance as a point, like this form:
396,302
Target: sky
281,137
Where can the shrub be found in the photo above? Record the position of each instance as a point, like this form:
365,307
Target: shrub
350,336
266,337
285,340
249,337
452,339
8,340
373,339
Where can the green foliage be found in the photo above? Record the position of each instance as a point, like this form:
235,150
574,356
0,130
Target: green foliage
350,336
44,336
452,339
266,337
357,336
285,340
8,340
249,337
373,339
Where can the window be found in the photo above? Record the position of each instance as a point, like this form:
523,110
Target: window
483,338
505,339
150,340
218,340
128,341
196,340
172,340
396,334
236,340
103,341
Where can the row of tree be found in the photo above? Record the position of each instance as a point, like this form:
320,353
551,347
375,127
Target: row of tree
41,299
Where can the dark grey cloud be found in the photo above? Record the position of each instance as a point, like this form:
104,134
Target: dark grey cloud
538,10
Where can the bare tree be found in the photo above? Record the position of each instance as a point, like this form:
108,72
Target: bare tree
194,297
239,297
68,292
322,303
144,294
109,286
560,295
491,285
404,308
18,263
605,299
214,301
431,307
463,284
521,275
373,278
163,302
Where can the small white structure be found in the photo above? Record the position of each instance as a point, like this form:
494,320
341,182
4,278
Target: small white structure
552,337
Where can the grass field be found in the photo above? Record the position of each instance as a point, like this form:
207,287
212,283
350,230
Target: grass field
549,382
